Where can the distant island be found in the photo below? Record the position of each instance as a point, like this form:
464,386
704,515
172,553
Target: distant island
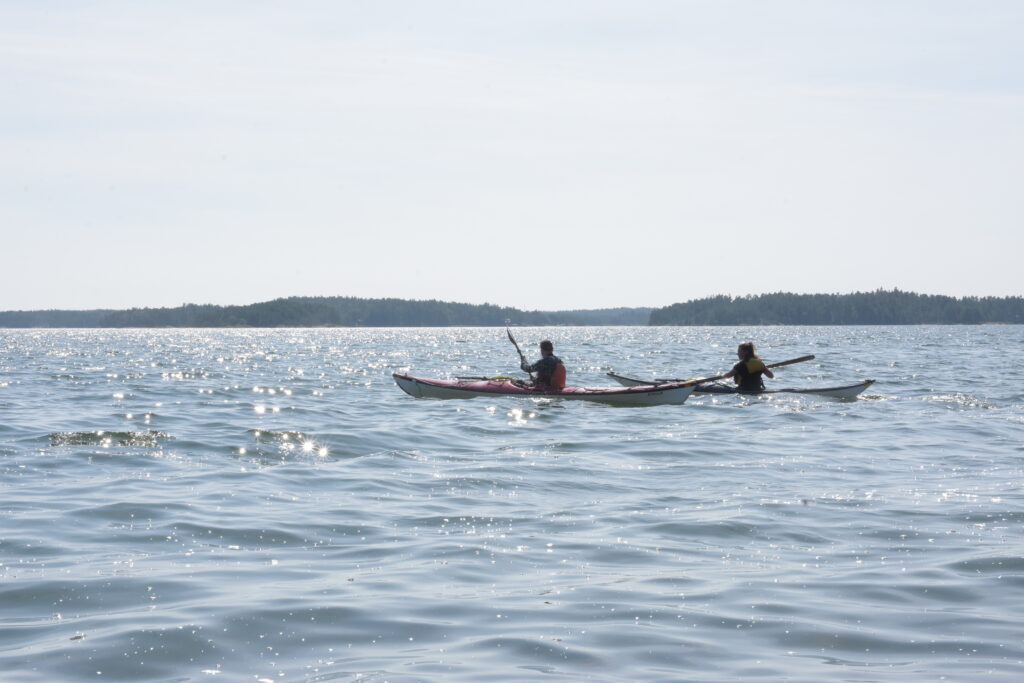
861,308
325,312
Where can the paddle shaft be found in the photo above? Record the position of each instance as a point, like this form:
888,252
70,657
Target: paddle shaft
801,359
702,380
497,378
522,358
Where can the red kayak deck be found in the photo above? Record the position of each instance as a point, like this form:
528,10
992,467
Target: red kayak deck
422,387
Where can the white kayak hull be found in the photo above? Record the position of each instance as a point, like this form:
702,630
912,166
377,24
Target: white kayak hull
849,391
644,395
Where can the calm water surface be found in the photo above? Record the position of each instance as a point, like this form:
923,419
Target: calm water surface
267,505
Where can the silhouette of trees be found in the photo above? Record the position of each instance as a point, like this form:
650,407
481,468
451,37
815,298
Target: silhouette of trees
860,308
325,312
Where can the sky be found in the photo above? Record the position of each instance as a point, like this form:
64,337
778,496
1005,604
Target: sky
544,155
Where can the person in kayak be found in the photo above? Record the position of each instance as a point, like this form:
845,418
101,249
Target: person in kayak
747,373
550,369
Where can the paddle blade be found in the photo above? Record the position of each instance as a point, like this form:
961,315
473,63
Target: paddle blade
514,342
512,339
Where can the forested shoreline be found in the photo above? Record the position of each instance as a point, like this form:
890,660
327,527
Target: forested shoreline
325,312
861,308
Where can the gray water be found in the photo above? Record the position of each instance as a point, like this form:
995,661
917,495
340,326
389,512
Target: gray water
267,505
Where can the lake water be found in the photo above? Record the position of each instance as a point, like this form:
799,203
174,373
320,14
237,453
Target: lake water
267,505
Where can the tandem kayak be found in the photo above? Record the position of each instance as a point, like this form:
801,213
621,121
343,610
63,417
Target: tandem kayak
850,391
640,395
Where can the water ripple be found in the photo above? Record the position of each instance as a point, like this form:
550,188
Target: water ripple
267,505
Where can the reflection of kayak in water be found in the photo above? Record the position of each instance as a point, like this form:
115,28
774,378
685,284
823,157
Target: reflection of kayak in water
669,393
850,391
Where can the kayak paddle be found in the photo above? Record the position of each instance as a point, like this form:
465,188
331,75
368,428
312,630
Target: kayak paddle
498,378
522,358
702,380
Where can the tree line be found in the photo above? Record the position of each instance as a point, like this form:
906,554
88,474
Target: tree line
860,308
325,312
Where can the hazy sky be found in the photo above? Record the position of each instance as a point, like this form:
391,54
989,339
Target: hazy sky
543,155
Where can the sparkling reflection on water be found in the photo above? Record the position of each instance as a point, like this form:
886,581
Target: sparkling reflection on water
266,504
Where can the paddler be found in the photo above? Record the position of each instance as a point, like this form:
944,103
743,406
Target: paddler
550,369
747,373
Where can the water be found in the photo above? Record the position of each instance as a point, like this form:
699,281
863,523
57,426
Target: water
239,505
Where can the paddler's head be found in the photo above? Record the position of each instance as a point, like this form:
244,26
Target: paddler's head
547,348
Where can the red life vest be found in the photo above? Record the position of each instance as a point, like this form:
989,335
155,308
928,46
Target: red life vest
558,376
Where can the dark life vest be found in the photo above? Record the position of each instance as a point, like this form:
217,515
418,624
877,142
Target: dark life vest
748,375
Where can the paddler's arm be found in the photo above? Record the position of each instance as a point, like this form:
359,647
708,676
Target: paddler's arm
731,373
